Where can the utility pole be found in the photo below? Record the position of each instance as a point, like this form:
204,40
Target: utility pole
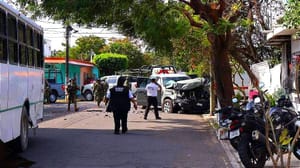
68,30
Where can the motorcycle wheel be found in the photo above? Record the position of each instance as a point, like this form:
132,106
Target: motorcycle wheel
296,150
235,142
251,156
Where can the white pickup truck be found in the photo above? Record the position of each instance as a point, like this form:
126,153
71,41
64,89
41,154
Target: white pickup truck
167,96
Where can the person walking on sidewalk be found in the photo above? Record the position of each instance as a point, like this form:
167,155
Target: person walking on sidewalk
120,97
72,90
152,91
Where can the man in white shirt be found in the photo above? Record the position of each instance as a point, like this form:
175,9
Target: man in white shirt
152,90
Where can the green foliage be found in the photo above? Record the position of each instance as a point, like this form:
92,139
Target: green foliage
191,52
222,27
157,24
109,63
88,44
125,47
291,18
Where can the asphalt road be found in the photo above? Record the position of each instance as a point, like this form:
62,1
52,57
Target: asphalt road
85,139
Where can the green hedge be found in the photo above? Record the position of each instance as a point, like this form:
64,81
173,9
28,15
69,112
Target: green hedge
109,63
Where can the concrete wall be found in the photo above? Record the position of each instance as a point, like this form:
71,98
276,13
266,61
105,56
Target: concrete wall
296,47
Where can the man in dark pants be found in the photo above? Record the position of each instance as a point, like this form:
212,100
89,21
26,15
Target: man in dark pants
152,89
120,97
72,89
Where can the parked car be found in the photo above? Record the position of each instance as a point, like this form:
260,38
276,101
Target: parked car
55,80
87,90
166,97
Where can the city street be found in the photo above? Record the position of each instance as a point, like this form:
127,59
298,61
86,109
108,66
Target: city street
85,139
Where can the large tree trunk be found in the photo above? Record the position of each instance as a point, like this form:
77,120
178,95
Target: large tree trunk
222,71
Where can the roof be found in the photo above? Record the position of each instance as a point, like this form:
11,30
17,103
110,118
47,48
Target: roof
169,75
280,34
56,60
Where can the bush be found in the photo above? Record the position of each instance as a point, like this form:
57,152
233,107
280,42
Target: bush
109,63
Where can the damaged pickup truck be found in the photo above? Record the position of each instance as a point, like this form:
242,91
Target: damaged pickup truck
192,96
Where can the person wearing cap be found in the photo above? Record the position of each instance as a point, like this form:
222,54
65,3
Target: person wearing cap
152,91
119,98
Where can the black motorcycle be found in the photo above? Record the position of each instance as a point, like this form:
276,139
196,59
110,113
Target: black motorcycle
252,147
230,124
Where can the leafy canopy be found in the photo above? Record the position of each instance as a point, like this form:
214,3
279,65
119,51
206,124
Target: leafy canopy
292,16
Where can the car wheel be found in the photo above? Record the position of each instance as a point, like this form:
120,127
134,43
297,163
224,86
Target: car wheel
53,97
88,95
167,106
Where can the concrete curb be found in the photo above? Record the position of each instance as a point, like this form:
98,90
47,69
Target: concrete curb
232,155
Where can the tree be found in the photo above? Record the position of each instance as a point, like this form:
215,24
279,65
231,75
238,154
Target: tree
191,52
125,47
88,45
291,17
109,63
229,26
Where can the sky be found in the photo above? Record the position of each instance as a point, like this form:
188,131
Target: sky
54,32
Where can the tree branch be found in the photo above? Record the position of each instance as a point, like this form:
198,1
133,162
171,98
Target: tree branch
246,67
191,19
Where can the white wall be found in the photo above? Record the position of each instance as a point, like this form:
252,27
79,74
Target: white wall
296,46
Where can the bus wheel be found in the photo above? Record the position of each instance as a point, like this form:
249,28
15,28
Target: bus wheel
22,140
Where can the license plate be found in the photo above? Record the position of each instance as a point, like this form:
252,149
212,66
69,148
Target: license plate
223,133
234,133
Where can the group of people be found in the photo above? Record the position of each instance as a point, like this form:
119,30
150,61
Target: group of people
119,99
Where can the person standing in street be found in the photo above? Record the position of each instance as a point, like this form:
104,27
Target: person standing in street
120,97
105,85
99,91
72,89
152,91
47,92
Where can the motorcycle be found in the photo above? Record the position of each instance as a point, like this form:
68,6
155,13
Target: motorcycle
252,148
229,120
285,122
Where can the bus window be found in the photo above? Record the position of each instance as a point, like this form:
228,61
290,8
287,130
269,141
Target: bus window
30,57
2,23
3,51
13,52
22,55
21,32
12,33
35,58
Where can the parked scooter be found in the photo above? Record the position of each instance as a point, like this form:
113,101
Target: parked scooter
252,148
230,121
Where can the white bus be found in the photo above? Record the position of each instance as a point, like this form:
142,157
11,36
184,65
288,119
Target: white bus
21,76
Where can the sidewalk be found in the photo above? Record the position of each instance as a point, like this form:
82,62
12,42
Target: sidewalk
233,154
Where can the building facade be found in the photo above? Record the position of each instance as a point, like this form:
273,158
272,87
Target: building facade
83,71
